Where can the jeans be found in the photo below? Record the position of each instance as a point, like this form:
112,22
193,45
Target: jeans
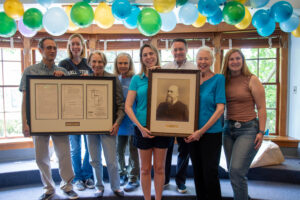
239,151
109,146
83,170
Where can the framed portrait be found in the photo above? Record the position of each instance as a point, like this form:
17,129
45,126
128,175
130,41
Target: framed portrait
173,102
70,105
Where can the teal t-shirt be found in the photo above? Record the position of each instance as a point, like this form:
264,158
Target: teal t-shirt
212,92
139,83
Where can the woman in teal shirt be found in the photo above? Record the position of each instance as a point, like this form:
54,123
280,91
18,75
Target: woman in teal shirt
206,142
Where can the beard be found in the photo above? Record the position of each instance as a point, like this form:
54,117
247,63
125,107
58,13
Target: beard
169,99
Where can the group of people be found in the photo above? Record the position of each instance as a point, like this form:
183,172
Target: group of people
236,90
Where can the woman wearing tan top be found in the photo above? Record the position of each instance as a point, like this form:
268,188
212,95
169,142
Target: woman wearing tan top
244,129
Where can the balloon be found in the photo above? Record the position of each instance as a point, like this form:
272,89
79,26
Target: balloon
121,9
180,2
290,24
261,18
52,25
45,3
72,26
164,6
14,9
281,11
8,26
246,20
216,18
24,30
33,19
241,1
103,16
258,3
82,14
208,7
131,21
168,21
267,29
221,1
200,21
149,22
188,14
296,32
233,12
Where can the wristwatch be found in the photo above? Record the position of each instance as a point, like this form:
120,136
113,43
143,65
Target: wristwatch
262,132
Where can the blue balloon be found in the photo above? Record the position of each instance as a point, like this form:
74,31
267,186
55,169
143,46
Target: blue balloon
188,14
268,29
216,18
45,3
221,1
168,21
258,3
56,21
131,21
290,24
121,9
208,7
261,18
281,11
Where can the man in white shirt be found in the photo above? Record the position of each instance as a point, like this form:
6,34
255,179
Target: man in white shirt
179,50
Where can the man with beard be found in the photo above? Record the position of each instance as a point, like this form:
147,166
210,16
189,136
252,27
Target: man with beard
172,109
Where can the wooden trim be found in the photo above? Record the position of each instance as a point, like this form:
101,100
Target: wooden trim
217,46
283,141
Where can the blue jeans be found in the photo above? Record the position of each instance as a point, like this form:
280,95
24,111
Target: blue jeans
82,170
109,146
239,151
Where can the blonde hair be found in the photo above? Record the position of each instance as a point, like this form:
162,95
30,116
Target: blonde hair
83,52
225,70
99,53
141,56
130,71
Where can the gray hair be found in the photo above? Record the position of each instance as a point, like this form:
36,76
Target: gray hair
207,49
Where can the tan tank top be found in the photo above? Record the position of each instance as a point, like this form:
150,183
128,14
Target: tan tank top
239,100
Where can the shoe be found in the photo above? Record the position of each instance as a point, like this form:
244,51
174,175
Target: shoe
131,186
99,193
181,188
89,183
46,196
71,194
123,180
79,185
119,193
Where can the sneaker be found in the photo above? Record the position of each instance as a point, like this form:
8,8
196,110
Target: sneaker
46,196
71,194
99,193
131,186
79,185
89,183
181,188
123,180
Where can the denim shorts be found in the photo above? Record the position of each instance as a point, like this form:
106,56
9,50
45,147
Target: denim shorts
147,143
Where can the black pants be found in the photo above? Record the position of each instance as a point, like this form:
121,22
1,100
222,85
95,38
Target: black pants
205,156
182,161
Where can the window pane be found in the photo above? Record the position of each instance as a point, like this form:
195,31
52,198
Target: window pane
271,121
1,124
190,55
110,55
249,53
137,67
166,56
1,80
109,67
1,100
61,54
13,99
270,91
267,71
267,53
13,124
252,65
38,56
11,54
136,55
12,73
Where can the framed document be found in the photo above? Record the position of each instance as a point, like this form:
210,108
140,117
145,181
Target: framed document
173,102
70,105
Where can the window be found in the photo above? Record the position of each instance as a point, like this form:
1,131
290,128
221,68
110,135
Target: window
10,97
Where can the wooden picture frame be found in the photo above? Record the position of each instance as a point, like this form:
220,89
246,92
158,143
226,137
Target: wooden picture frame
175,115
70,105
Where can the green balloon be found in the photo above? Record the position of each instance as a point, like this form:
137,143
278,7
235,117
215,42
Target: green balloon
233,12
148,22
33,19
180,2
8,26
82,14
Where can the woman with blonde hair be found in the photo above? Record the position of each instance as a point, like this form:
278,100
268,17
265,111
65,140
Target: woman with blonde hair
244,128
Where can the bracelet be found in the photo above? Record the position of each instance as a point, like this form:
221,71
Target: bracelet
262,132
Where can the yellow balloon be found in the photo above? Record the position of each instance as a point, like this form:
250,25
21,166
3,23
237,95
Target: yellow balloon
241,1
200,21
164,6
72,26
14,9
103,16
246,20
296,32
